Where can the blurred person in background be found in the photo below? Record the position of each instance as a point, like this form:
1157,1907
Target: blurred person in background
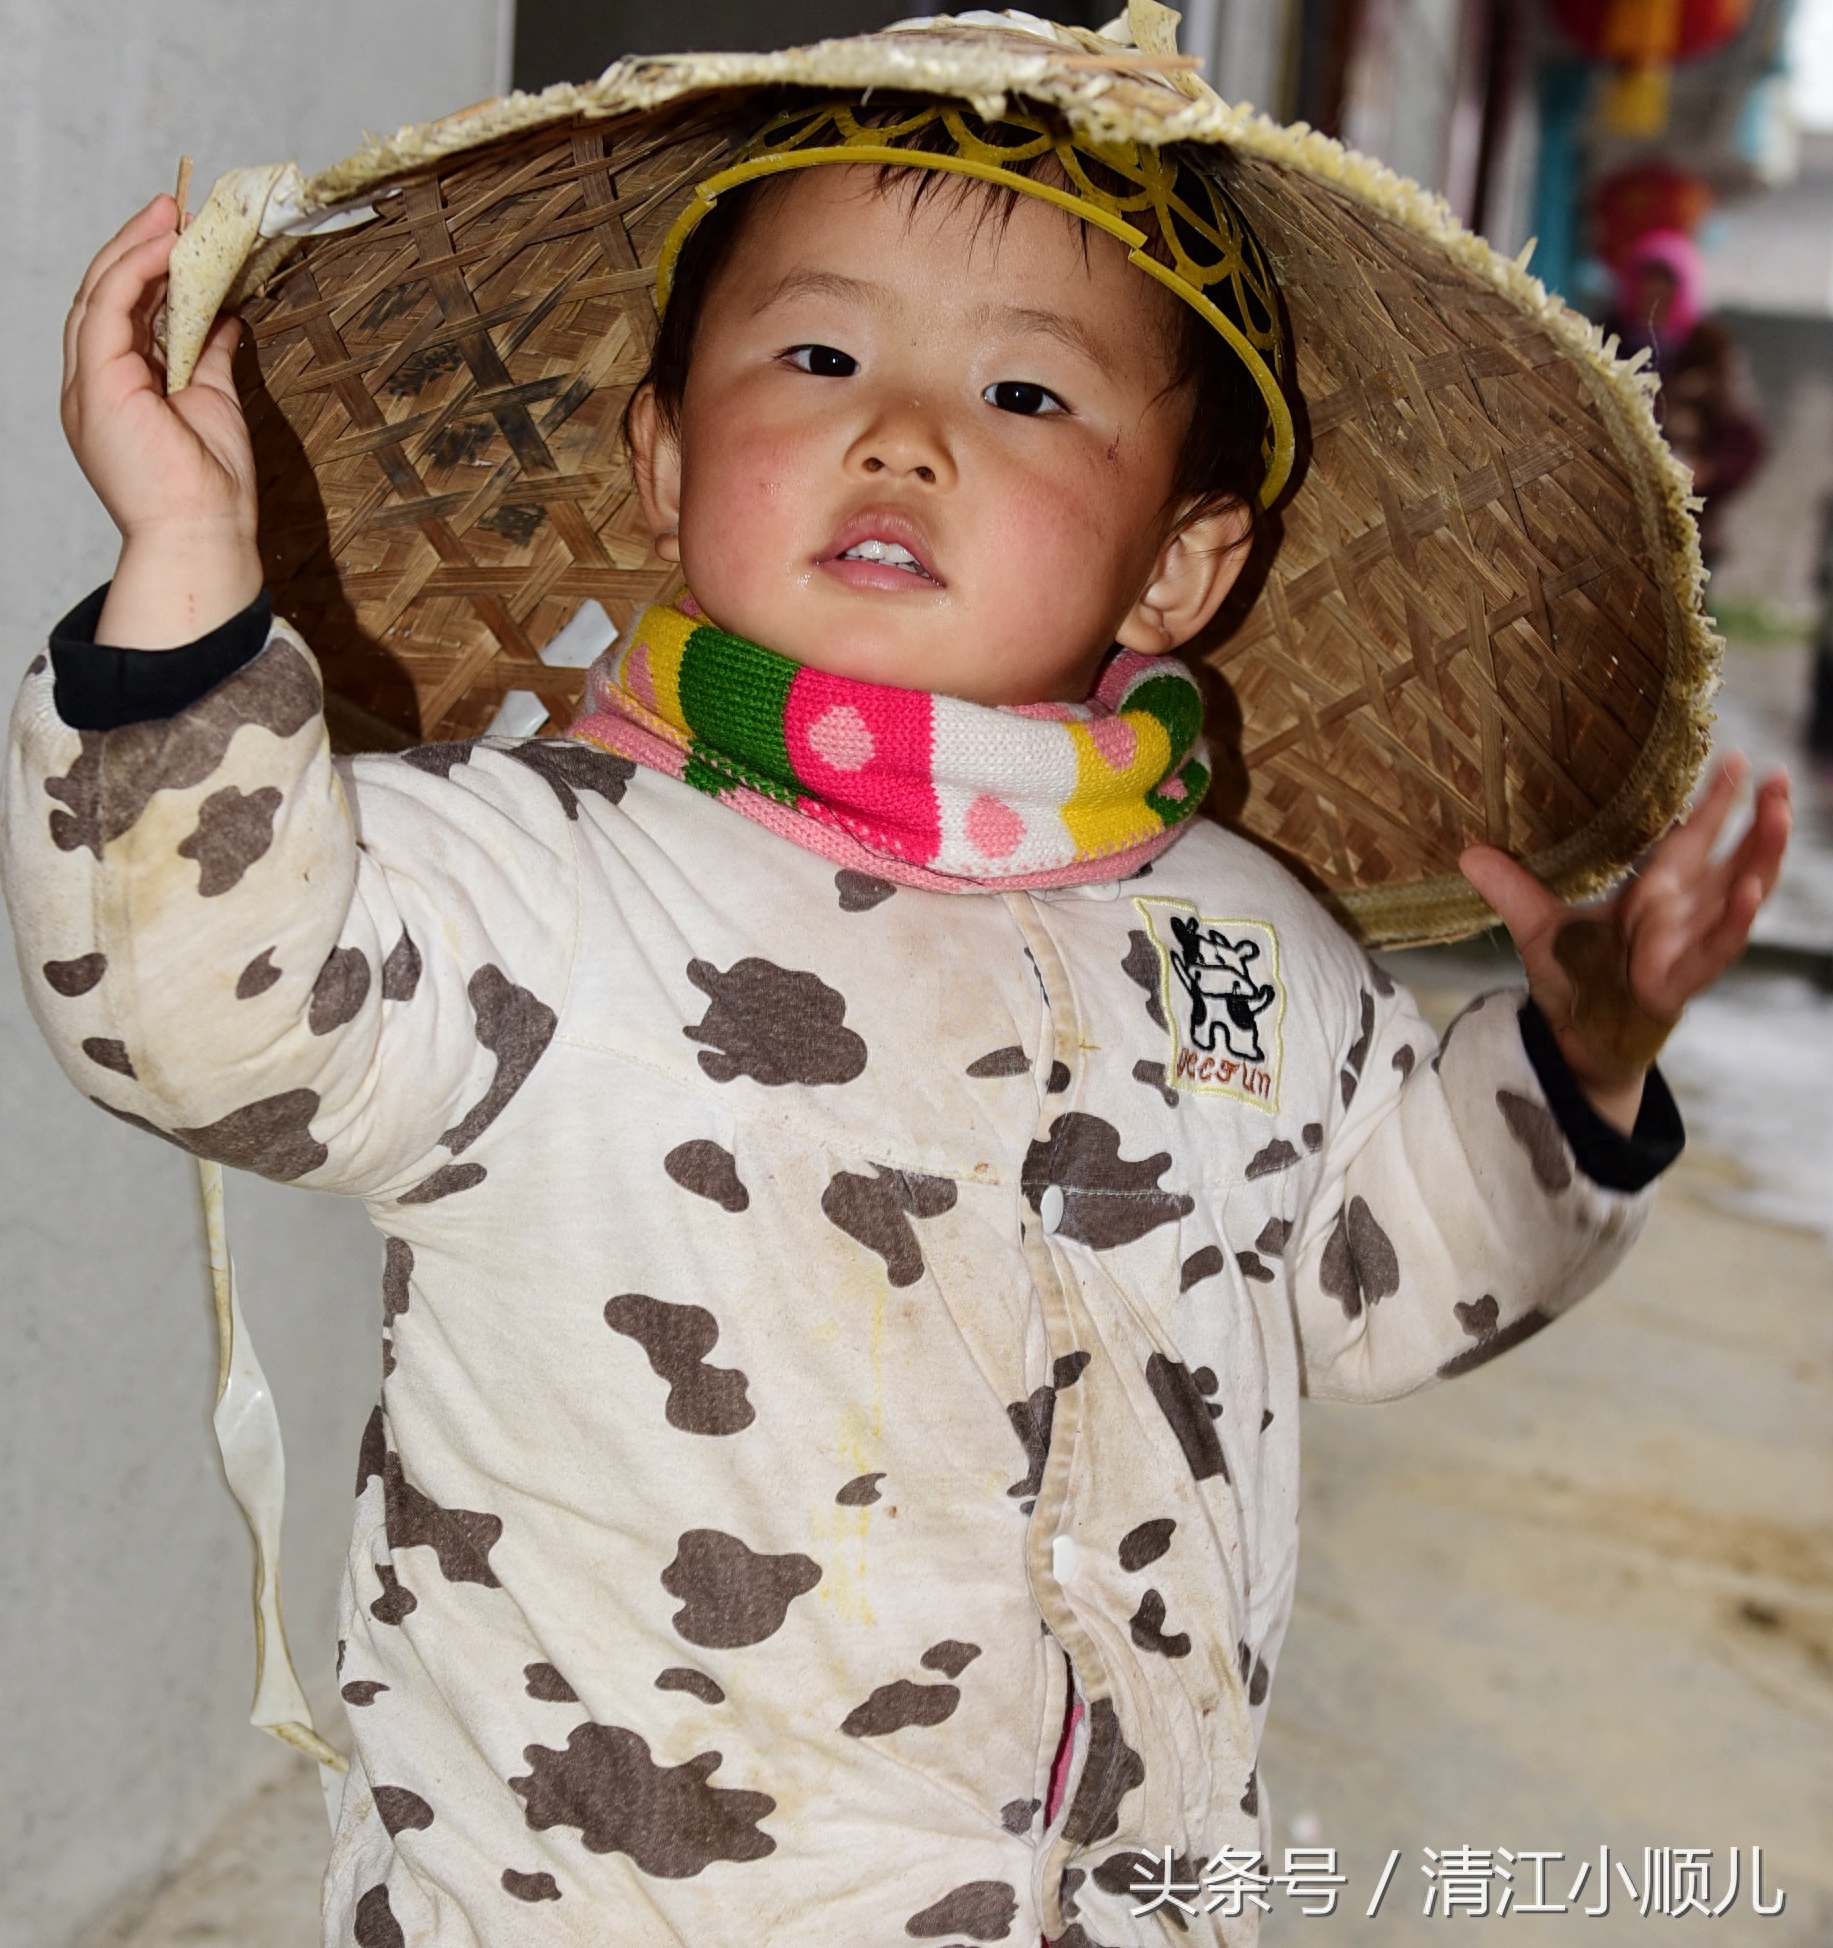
1707,404
1820,693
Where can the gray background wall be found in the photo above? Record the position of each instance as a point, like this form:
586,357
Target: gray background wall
125,1645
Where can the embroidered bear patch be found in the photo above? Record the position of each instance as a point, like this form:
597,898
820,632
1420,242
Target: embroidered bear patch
1222,999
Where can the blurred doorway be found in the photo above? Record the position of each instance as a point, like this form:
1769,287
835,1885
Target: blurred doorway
572,40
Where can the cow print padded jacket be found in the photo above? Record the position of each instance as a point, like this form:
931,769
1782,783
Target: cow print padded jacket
819,1318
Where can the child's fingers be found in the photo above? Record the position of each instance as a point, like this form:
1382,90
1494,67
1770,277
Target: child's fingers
1688,846
158,217
108,329
1758,854
1522,904
1703,960
215,363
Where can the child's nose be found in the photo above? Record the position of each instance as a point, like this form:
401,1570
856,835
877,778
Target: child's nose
907,441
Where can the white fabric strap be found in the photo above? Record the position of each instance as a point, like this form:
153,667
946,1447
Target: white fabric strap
254,1463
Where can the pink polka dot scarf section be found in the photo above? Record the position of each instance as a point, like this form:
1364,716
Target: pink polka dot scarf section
918,789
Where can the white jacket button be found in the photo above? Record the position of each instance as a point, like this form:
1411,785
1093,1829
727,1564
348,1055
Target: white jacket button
1050,1207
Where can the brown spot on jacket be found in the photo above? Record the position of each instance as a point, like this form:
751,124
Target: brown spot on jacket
402,1811
530,1887
899,1706
861,1491
571,768
234,830
860,892
440,760
447,1181
1147,1626
362,1692
397,1270
1143,968
702,1399
1011,1060
339,991
1536,1129
709,1171
71,978
1180,1400
1016,1815
1277,1155
1147,1543
544,1682
460,1538
401,970
372,1455
876,1212
1358,1049
730,1595
984,1909
774,1024
107,1053
951,1656
1531,1321
258,976
396,1601
516,1028
1359,1266
117,772
375,1925
678,1677
1152,1074
272,1136
668,1819
1107,1201
1203,1263
1111,1770
1031,1420
1480,1317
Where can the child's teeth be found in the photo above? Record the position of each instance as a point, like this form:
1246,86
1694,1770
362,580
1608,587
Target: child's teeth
886,551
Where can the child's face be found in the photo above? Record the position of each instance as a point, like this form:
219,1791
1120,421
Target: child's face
923,449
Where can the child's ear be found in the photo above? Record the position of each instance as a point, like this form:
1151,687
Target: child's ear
1195,570
655,459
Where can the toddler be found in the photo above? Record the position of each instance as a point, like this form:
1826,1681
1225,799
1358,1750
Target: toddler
866,1177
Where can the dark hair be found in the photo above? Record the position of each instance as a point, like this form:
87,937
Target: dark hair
1221,458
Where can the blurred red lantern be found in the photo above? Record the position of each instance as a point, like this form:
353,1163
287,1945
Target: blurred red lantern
1643,38
1648,196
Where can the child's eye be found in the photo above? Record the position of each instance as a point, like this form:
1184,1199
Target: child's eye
1021,396
824,361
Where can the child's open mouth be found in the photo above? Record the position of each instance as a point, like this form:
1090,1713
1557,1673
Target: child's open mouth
880,553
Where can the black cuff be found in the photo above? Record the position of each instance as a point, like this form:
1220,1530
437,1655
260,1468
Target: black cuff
101,689
1604,1154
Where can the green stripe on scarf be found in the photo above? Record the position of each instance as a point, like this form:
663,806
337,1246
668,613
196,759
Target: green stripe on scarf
735,696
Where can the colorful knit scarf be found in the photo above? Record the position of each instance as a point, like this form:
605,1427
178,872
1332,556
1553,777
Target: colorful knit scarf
923,790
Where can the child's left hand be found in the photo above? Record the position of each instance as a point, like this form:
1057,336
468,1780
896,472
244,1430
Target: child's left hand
1613,979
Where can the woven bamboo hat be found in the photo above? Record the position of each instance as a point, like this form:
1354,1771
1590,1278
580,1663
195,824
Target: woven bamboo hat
1475,613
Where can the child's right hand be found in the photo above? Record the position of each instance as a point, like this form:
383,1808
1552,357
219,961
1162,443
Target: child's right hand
176,474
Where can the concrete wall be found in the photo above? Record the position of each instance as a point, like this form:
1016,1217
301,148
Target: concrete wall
125,1646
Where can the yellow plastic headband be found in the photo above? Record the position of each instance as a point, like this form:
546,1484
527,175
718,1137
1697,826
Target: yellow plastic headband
1230,262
